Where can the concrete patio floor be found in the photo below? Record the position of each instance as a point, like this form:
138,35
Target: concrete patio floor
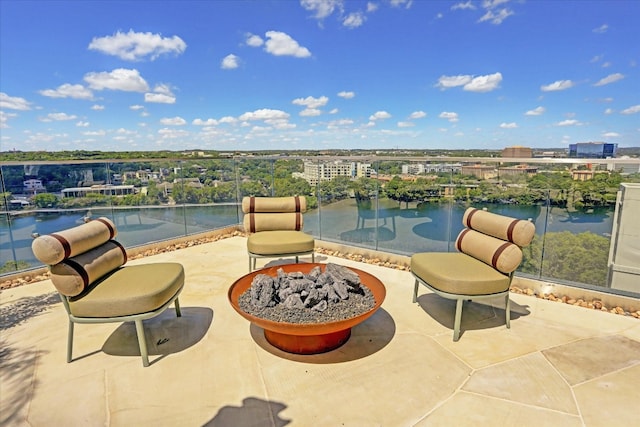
557,365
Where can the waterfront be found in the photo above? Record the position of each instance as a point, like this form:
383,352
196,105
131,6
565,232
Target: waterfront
399,229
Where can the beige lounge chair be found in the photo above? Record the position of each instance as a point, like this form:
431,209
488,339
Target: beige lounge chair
489,253
275,227
87,270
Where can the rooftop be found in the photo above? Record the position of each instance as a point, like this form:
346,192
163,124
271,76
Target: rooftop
557,365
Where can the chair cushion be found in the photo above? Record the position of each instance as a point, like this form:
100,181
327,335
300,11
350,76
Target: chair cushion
73,275
253,222
458,273
280,242
517,231
53,248
501,255
274,204
130,290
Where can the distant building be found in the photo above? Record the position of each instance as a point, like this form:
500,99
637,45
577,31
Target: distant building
32,186
420,168
316,172
593,150
518,170
517,151
480,171
106,190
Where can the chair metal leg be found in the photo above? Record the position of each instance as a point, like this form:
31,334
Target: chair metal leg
313,257
177,304
70,343
508,311
415,291
296,259
142,343
456,325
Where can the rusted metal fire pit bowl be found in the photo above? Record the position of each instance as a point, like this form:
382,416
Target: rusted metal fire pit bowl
306,338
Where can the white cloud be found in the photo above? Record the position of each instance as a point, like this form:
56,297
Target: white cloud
82,124
229,62
134,46
511,125
254,40
611,78
601,29
452,117
321,8
398,3
97,107
68,91
118,79
463,6
447,82
346,95
406,124
538,111
264,114
609,111
281,44
610,134
311,102
208,122
417,115
496,18
631,110
334,111
557,85
136,107
4,118
167,133
371,7
484,83
379,115
173,121
228,119
95,133
14,102
310,112
159,98
354,20
569,122
59,117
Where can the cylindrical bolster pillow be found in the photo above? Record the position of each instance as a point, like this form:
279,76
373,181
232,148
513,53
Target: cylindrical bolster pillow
518,231
501,255
53,248
274,204
272,221
74,275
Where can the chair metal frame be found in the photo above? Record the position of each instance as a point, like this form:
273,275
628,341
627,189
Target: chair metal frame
460,299
254,257
137,318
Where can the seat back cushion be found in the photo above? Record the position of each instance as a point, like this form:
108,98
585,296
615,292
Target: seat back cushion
274,204
502,255
73,275
53,248
254,222
517,231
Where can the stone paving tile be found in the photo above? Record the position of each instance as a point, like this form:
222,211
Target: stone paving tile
529,379
593,357
611,399
467,409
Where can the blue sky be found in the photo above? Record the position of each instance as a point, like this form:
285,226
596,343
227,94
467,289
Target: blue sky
317,74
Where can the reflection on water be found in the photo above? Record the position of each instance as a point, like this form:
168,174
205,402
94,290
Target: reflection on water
393,227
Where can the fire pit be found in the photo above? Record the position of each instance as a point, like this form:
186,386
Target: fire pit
306,338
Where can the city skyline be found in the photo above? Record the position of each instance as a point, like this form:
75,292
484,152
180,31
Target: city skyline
317,74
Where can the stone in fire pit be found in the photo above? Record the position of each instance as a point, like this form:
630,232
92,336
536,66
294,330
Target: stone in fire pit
318,296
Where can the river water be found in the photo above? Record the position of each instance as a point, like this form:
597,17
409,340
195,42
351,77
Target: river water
398,229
